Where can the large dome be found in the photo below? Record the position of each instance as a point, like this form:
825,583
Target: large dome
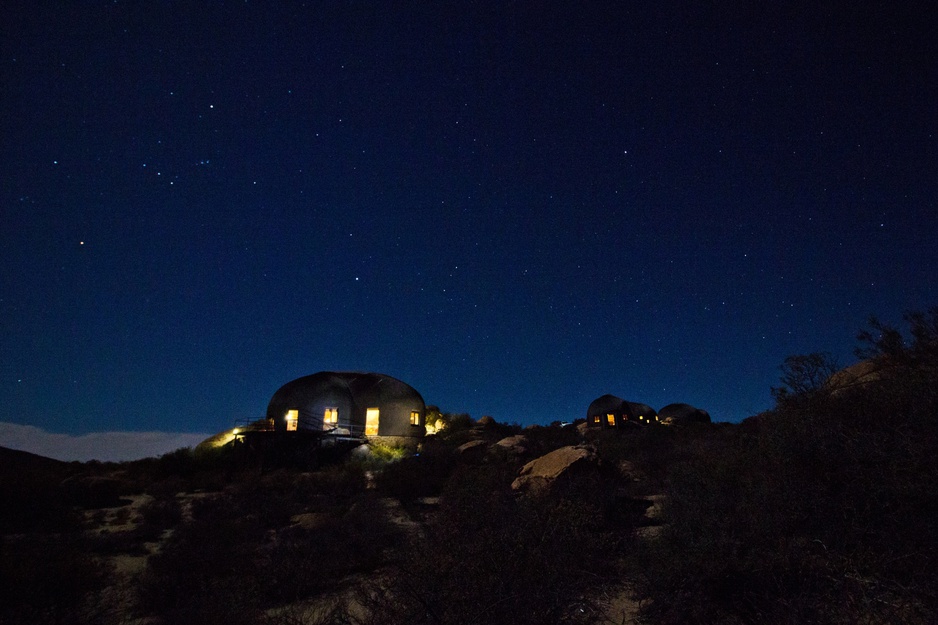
370,404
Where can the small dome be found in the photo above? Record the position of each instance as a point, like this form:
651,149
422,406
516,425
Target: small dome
683,413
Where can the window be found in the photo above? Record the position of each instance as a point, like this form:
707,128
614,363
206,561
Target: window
596,418
330,418
414,417
293,420
611,420
371,421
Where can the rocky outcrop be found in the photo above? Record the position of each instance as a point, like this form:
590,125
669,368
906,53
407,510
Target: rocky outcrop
629,472
541,472
517,444
857,376
473,450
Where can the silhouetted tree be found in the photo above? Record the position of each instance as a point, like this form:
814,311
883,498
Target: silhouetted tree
803,376
886,342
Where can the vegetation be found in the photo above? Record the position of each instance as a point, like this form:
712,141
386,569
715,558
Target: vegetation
821,510
490,556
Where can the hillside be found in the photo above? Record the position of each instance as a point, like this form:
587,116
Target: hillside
13,460
822,510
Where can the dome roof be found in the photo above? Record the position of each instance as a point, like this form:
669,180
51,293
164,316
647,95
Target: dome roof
683,413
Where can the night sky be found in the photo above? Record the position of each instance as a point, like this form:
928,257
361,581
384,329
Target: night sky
515,207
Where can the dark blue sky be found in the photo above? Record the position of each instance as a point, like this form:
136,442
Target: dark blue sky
514,207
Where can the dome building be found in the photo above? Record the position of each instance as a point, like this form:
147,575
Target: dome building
610,411
369,405
681,414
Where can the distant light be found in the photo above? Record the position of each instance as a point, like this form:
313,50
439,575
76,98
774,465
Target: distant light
81,243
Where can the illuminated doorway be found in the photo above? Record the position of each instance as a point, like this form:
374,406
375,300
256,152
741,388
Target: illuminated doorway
330,418
371,422
293,419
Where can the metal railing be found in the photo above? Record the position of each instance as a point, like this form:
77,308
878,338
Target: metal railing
308,424
255,425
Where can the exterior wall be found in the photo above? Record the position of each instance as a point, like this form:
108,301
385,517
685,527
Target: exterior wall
683,413
625,412
643,413
395,400
311,395
604,406
352,394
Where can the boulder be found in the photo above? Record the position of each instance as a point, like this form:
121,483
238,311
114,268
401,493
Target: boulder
857,376
473,450
311,520
542,472
517,444
628,471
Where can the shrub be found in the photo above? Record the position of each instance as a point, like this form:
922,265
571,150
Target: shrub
206,573
388,453
158,515
49,579
492,557
423,475
822,510
309,562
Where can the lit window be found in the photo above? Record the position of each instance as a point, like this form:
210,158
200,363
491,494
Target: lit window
372,416
611,420
595,418
329,418
293,419
414,417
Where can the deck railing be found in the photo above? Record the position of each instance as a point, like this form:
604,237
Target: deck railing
307,424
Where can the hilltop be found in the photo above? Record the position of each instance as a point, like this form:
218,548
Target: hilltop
820,510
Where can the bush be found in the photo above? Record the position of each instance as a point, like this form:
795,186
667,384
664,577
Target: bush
49,579
158,515
492,557
242,553
206,573
423,475
822,510
34,504
388,453
309,562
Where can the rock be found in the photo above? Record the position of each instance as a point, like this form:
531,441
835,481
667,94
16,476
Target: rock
361,452
517,444
629,472
311,520
857,376
542,472
473,450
